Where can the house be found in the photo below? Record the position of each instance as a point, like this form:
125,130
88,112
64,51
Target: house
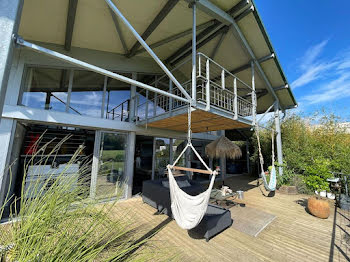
118,77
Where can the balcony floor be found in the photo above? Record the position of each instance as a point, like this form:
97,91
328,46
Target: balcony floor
202,121
294,235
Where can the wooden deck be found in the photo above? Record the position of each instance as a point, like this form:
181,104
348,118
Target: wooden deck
294,235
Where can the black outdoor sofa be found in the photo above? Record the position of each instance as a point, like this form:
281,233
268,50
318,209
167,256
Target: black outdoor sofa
216,219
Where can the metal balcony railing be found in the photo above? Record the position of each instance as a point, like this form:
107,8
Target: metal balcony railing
216,87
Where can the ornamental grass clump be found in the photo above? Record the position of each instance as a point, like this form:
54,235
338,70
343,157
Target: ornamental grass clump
54,220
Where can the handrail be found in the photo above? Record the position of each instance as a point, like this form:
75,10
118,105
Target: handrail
112,111
228,72
76,111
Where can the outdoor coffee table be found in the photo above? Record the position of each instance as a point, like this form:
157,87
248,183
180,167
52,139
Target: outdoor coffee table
217,197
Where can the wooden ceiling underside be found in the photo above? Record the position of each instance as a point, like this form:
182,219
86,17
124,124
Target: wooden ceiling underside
202,121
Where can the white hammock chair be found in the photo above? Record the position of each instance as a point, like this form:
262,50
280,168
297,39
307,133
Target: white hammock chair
271,186
188,210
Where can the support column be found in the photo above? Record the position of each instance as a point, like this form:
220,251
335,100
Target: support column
278,138
130,156
95,163
154,158
254,102
194,43
105,83
132,99
171,152
7,129
10,12
223,162
248,155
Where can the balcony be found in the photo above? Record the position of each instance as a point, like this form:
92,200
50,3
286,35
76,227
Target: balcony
223,101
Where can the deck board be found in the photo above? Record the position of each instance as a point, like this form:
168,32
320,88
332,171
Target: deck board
294,235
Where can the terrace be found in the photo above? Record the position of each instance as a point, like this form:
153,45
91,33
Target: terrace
294,235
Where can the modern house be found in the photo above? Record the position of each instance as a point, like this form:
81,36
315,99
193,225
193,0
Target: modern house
118,76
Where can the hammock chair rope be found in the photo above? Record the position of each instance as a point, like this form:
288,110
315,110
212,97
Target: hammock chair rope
189,210
271,186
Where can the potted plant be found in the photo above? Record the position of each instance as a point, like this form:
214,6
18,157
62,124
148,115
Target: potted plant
318,207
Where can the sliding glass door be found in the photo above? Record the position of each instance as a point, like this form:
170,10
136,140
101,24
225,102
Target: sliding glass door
111,172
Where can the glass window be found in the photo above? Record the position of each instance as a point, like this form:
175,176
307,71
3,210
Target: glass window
178,146
117,105
112,165
87,93
45,88
162,157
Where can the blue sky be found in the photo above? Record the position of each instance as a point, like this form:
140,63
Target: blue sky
312,42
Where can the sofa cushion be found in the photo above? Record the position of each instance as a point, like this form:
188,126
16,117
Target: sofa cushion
180,183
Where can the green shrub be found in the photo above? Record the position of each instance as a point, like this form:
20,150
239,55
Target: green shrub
313,147
55,222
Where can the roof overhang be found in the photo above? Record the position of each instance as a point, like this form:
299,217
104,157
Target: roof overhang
232,31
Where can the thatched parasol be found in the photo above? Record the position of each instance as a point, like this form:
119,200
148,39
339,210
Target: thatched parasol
223,147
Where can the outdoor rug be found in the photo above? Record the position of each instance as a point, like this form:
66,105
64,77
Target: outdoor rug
249,220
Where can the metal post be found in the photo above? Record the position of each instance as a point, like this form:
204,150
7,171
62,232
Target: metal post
130,156
70,87
146,113
132,99
199,66
253,94
137,102
154,158
207,86
148,49
155,102
95,163
170,98
278,138
194,44
223,79
171,152
248,155
10,11
223,162
235,99
107,113
104,96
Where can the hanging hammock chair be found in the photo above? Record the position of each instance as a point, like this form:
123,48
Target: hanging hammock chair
188,210
271,185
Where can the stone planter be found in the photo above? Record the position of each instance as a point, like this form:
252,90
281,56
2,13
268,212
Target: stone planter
288,190
318,207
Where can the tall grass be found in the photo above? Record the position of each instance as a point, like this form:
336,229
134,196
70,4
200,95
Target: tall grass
54,220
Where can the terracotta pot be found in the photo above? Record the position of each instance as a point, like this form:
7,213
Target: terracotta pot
318,207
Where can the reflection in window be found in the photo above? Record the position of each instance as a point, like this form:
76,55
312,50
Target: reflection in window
45,88
87,93
162,157
117,104
178,146
112,165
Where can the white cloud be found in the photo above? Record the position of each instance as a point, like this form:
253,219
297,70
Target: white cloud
330,78
312,67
